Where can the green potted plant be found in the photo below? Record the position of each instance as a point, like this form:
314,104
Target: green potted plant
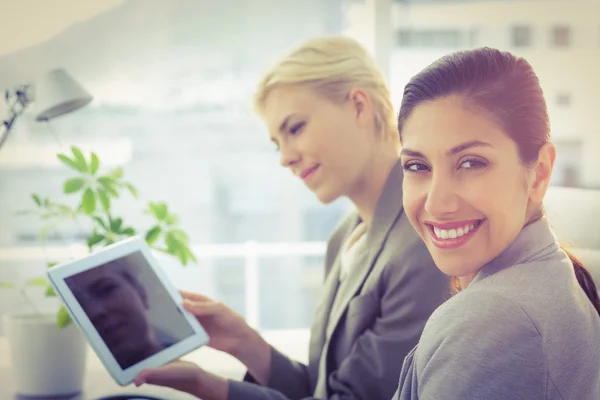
48,352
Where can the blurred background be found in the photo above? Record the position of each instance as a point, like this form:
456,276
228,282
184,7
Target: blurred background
172,83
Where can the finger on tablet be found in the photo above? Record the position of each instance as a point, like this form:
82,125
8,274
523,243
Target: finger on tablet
201,309
193,296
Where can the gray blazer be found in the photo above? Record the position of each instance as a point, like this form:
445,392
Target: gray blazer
523,329
383,312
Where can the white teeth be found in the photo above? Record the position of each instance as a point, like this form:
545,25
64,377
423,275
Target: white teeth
453,233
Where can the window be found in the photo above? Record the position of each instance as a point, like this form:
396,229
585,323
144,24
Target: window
521,36
561,36
571,176
433,38
567,167
563,99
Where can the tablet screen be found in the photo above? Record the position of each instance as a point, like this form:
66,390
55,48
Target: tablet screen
130,308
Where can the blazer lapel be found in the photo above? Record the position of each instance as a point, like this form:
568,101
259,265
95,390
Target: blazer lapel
387,212
323,312
330,286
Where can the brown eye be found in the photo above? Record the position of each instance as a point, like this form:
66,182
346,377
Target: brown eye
473,164
415,167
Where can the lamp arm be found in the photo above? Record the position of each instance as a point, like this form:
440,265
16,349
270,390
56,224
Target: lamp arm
20,100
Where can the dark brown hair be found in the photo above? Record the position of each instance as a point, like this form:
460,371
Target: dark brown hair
506,88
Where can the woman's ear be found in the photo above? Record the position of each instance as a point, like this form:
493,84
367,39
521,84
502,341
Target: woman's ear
542,172
362,105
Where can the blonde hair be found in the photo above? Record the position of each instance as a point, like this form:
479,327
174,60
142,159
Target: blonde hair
332,66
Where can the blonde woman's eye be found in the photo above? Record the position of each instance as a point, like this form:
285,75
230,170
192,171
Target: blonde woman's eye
297,128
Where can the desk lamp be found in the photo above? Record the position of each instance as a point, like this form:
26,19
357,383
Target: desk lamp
54,93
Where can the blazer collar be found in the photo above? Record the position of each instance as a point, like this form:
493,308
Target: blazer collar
387,212
536,240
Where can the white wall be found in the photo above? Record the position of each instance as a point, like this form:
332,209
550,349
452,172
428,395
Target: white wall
29,22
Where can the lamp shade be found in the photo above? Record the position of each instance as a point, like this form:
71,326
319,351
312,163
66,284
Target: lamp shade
56,93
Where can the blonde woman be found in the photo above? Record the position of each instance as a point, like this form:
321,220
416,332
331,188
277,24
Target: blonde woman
328,111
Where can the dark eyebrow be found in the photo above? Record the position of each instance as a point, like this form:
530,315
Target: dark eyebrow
411,153
467,145
455,150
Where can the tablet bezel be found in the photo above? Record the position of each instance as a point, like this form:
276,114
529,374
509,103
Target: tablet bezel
59,273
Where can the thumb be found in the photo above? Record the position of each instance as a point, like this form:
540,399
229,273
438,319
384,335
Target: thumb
152,376
202,309
141,378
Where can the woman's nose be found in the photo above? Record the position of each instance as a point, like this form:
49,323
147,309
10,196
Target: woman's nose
442,198
289,156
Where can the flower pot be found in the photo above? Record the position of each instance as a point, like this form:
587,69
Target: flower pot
46,360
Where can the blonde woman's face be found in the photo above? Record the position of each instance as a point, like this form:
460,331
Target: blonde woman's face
325,144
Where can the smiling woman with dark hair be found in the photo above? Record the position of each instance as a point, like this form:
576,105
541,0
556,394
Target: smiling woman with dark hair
478,159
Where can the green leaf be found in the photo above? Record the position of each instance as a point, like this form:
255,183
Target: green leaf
115,224
159,210
37,282
112,191
73,185
88,201
100,222
70,163
179,235
109,185
106,181
50,292
183,257
116,173
176,247
95,239
127,231
7,285
63,318
172,219
94,164
37,200
132,190
79,158
191,255
104,199
153,234
51,264
171,242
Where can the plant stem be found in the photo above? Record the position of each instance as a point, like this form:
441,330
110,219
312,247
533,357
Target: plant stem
30,301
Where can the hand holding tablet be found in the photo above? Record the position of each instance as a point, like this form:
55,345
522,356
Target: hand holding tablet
129,311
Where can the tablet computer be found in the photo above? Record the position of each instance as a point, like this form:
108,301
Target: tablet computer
130,313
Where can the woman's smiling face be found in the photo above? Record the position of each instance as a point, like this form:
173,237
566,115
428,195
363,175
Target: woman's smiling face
466,191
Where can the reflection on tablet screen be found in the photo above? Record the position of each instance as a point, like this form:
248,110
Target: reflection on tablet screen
130,309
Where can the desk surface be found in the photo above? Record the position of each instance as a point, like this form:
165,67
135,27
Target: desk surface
99,383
